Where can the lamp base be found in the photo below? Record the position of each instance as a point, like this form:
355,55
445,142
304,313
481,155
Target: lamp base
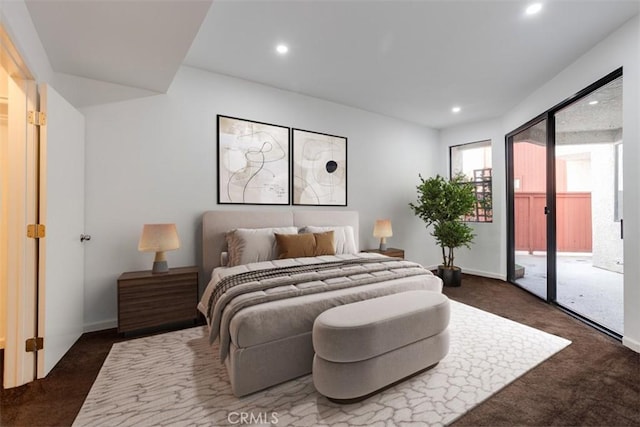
160,267
383,246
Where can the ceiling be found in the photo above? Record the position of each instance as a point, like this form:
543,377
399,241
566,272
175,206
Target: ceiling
601,110
109,50
413,60
593,119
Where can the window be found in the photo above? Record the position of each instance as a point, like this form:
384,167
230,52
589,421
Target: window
474,161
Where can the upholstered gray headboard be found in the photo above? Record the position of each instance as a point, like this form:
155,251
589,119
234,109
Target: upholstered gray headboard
216,223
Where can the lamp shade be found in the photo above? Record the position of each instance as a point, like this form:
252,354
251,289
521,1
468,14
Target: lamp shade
158,238
382,228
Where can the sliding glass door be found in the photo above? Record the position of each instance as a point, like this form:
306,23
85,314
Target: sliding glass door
565,195
529,201
588,164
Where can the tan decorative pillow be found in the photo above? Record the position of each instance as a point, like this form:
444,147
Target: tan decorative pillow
295,245
343,239
324,243
304,245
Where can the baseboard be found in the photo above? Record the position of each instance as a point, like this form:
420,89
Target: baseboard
631,343
473,272
487,274
99,326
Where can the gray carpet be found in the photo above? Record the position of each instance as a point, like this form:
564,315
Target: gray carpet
177,379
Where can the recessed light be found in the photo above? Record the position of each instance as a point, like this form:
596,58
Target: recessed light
533,8
593,102
456,109
282,49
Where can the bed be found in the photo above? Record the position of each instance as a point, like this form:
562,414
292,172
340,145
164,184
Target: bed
261,310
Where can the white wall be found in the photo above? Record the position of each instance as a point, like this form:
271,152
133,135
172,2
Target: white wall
608,248
620,49
482,259
15,17
154,160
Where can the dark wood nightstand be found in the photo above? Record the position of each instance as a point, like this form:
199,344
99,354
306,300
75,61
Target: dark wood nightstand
393,252
147,300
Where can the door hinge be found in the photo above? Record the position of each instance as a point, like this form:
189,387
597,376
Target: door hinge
36,231
34,344
37,118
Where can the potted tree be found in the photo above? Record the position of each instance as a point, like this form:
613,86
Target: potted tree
443,204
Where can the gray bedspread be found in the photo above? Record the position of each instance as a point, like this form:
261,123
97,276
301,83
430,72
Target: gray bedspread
234,289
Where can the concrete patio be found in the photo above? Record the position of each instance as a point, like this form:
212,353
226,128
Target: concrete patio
590,291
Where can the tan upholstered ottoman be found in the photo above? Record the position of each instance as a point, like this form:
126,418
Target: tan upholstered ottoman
367,346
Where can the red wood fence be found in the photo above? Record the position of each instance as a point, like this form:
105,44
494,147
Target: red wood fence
573,222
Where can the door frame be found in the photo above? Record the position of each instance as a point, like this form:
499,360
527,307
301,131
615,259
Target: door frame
21,274
549,116
30,313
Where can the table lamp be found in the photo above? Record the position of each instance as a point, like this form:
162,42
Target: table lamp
159,238
382,229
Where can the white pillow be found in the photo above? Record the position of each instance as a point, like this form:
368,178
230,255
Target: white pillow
247,245
343,237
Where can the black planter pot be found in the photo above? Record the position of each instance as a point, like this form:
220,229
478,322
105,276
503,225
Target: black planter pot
451,276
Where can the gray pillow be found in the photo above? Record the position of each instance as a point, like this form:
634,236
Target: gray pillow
247,245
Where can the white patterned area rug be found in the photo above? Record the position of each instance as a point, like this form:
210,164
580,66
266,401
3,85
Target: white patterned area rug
177,379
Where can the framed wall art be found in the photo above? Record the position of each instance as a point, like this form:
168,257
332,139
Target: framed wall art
319,169
253,162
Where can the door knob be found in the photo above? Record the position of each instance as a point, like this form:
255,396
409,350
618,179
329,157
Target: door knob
84,237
